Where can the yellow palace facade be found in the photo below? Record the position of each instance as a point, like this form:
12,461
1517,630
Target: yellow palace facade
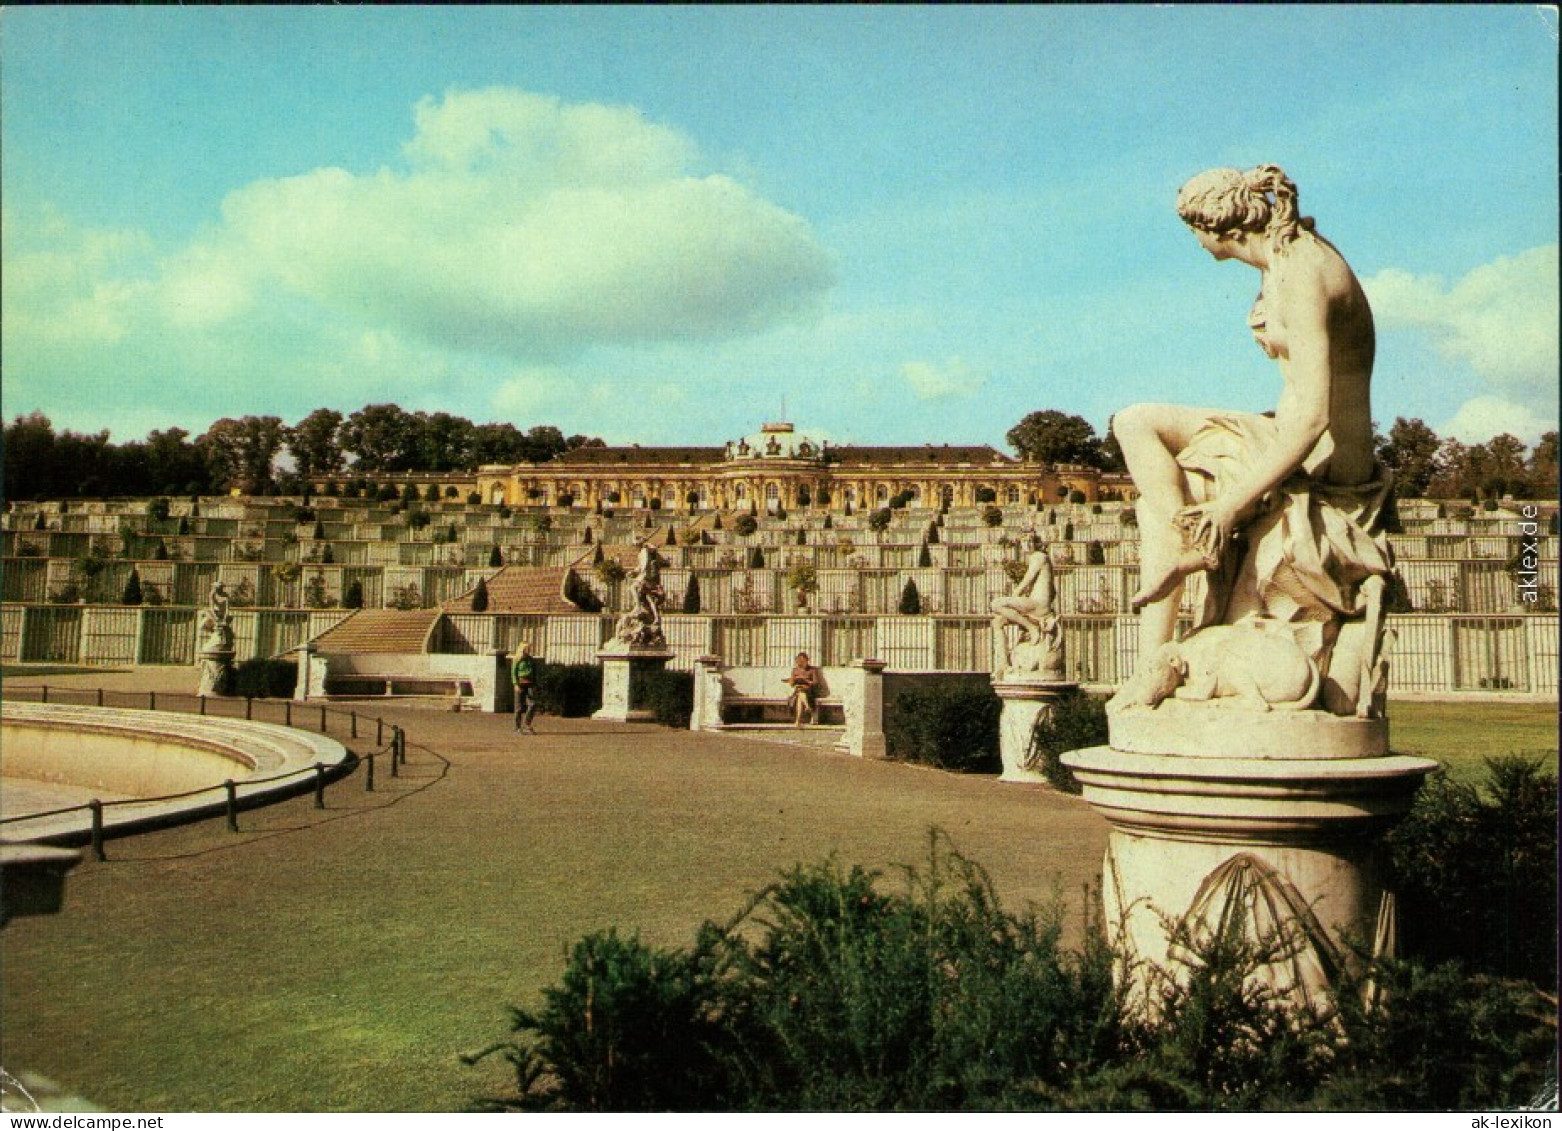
779,468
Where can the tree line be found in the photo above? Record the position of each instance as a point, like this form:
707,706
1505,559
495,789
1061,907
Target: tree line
247,452
1425,465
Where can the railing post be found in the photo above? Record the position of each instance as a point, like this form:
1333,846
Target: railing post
97,829
322,720
100,697
368,780
202,698
151,700
319,785
287,712
233,805
379,732
45,698
396,752
249,708
354,716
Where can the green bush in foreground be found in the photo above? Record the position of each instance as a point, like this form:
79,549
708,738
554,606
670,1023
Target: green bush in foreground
828,992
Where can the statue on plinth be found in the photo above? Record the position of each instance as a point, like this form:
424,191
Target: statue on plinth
1038,655
216,651
641,626
1284,511
1248,778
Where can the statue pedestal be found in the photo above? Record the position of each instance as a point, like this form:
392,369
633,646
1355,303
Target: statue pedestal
618,679
1286,844
1025,702
216,671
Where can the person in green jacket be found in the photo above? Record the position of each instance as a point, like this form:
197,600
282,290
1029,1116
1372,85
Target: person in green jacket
523,674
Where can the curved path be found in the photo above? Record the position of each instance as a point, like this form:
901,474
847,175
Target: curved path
342,959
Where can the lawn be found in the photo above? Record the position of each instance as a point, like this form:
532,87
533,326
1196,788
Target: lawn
1464,735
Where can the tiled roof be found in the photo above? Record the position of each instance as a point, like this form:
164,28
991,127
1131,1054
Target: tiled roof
521,590
631,455
404,632
940,455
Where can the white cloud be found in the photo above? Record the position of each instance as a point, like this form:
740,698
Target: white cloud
1500,319
531,229
519,234
1481,418
66,285
952,379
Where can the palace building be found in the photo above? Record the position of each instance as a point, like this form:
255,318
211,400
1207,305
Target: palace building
780,468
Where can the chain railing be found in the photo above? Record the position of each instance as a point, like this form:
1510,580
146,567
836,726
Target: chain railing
394,751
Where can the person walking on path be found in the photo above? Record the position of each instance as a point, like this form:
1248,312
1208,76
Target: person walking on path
523,674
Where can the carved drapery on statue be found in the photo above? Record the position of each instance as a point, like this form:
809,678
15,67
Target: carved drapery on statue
1312,565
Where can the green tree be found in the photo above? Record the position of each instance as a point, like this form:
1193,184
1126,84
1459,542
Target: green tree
1410,452
381,437
314,444
910,599
240,453
480,597
132,594
1050,436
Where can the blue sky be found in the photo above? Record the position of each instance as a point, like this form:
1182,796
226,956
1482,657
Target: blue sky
652,224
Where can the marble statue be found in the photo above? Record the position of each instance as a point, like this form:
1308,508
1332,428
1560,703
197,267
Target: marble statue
641,626
1283,511
1038,655
216,648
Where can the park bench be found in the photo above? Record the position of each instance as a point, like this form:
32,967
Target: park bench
760,697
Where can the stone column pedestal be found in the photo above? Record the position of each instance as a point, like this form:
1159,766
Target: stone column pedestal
707,694
216,669
618,670
1025,702
862,698
1272,822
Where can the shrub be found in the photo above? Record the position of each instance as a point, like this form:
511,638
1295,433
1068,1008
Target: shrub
949,724
473,499
480,596
157,510
570,690
1076,721
830,993
668,695
495,556
608,570
880,519
911,598
756,558
691,595
132,594
1076,496
265,679
745,525
992,516
802,579
986,495
1472,868
924,557
825,993
353,597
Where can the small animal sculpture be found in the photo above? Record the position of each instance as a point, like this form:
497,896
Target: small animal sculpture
1260,666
